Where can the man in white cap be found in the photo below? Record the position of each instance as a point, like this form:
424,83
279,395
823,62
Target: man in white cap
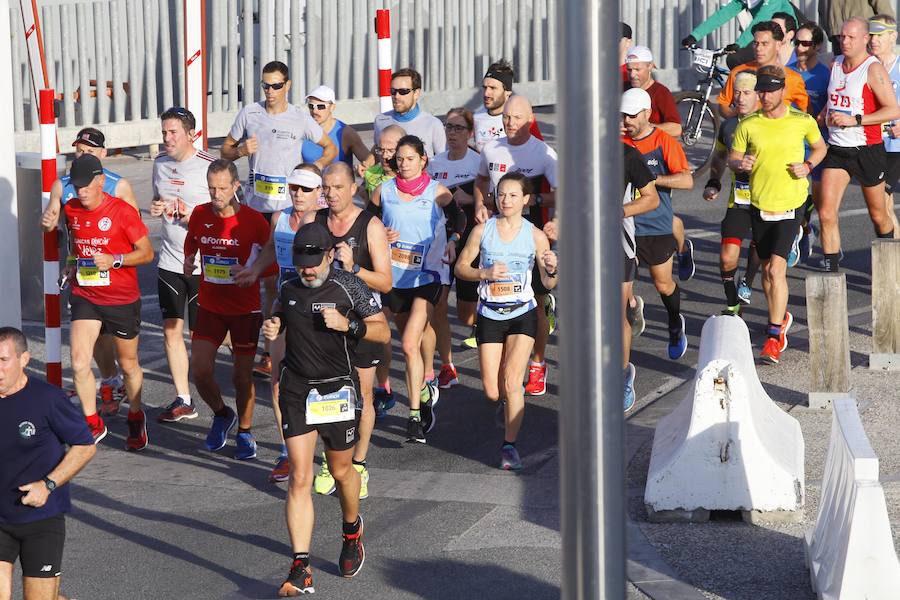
320,103
663,111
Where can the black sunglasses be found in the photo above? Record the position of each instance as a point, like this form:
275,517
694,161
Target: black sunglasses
316,106
400,91
309,250
302,187
455,127
274,86
804,43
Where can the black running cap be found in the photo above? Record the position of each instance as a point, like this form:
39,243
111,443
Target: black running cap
626,30
768,83
84,169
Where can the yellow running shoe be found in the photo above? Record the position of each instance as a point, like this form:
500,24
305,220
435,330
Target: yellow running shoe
324,482
363,480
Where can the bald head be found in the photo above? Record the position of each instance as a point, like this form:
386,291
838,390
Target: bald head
339,187
517,118
386,145
339,169
855,38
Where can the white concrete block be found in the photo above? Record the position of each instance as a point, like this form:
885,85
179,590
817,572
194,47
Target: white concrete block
726,446
850,552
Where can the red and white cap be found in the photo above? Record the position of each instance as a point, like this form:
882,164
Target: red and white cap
639,54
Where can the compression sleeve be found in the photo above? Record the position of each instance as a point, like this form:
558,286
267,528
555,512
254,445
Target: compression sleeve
456,218
717,19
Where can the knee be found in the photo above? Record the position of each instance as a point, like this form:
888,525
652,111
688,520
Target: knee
341,472
129,365
81,361
410,346
664,286
512,388
174,332
202,371
775,270
301,479
491,391
827,215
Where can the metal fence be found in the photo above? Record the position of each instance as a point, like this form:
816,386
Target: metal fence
119,63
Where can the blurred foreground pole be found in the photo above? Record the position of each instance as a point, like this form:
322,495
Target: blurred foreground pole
590,209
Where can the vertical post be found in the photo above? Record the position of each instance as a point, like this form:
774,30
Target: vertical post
34,43
885,305
592,490
52,332
829,338
195,66
383,30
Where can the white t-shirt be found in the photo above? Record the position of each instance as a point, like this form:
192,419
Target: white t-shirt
487,127
281,139
424,126
532,159
183,185
452,173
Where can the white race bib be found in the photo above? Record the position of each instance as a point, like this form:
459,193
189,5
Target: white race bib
336,407
269,186
88,275
742,193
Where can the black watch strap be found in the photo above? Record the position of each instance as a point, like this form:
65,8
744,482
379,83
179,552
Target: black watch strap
51,485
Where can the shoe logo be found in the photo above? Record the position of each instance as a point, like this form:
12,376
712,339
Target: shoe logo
292,302
351,434
46,568
27,430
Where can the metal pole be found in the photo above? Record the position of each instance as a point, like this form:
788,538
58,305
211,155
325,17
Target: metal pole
591,463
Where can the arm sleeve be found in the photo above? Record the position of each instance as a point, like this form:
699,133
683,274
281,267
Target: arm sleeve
134,228
483,165
799,96
314,132
727,94
190,249
550,166
813,134
740,141
439,139
456,218
717,19
673,153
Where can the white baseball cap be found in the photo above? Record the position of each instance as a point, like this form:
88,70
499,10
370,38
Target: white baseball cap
323,93
304,178
634,101
639,54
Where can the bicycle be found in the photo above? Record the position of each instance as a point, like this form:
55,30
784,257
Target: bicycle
700,123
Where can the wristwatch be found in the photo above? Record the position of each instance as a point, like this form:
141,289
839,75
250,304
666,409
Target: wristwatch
355,268
859,120
51,485
117,261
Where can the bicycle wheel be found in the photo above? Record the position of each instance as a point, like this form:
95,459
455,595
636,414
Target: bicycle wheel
700,125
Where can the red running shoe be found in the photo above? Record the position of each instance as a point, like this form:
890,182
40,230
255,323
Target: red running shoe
537,380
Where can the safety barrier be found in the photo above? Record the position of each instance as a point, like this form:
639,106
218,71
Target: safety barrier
850,551
738,450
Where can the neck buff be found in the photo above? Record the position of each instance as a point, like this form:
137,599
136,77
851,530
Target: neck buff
407,116
415,186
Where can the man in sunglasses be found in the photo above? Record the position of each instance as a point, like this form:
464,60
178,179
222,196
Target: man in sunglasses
406,89
320,103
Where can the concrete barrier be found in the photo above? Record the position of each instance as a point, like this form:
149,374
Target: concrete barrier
829,338
726,446
850,552
885,305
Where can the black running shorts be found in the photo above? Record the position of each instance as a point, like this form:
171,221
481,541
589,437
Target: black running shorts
400,300
866,163
38,545
775,237
292,394
493,331
736,225
891,171
175,291
655,250
120,320
367,354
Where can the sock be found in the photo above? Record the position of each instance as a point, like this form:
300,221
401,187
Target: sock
243,430
831,261
537,364
773,330
505,443
186,398
449,364
731,296
885,236
429,376
136,416
672,302
425,394
283,450
351,528
222,412
415,415
303,557
386,387
93,419
361,463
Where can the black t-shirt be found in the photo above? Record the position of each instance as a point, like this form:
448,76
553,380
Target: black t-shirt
637,175
314,352
35,424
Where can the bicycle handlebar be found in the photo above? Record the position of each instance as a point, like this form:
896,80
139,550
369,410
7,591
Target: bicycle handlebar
729,49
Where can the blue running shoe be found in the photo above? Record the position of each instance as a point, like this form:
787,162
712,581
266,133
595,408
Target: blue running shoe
244,446
794,255
218,433
686,266
677,341
629,387
744,291
384,401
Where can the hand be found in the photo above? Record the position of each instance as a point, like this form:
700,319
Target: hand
689,41
67,275
392,235
345,254
158,207
244,276
361,169
482,214
551,230
251,145
895,130
270,328
550,260
188,266
450,253
36,494
839,119
495,272
103,261
334,320
799,170
747,163
710,194
49,219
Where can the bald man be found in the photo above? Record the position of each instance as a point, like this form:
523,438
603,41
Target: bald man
521,151
381,171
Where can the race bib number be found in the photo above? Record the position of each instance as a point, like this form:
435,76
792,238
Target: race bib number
770,216
88,275
505,291
742,193
336,407
217,269
407,256
268,186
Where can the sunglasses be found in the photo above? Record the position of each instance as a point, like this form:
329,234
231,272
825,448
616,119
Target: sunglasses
309,250
400,91
303,188
316,106
273,86
455,127
804,43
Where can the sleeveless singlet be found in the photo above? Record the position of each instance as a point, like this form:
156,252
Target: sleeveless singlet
283,237
514,296
850,93
357,237
312,151
109,186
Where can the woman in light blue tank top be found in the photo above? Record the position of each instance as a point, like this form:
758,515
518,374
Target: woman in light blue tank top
507,246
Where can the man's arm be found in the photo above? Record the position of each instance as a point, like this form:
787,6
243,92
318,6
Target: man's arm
126,193
50,217
73,461
717,19
352,143
648,201
676,181
329,151
232,149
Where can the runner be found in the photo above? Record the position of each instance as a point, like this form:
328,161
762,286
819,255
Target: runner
321,103
179,186
270,134
381,171
788,24
653,230
509,248
325,313
228,237
410,207
38,423
736,223
860,99
496,89
109,241
763,144
406,90
883,38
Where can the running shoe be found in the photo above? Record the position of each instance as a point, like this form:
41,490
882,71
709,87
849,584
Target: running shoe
785,325
282,470
177,410
811,235
686,266
137,432
219,430
363,480
793,256
324,483
384,401
677,341
537,380
550,311
299,581
500,415
414,432
428,399
771,351
744,291
470,341
109,403
509,458
635,315
353,554
732,311
98,429
244,446
629,387
448,377
823,264
264,367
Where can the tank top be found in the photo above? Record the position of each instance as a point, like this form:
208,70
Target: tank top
283,236
109,186
513,296
417,257
357,237
312,152
849,93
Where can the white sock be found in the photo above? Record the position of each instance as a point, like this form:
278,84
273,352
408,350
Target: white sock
114,381
186,398
538,364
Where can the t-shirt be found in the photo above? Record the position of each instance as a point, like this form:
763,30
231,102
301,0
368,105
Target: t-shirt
423,125
453,173
740,184
224,243
662,105
113,227
663,156
776,143
533,159
69,191
794,88
35,425
281,139
816,82
490,127
636,176
375,176
183,185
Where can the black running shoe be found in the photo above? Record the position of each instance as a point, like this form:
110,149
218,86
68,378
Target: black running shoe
414,432
353,554
428,399
299,581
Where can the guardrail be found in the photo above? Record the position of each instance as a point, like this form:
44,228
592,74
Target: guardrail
119,63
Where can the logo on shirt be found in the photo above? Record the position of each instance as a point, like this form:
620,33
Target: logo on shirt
27,430
104,224
318,307
208,225
214,241
499,167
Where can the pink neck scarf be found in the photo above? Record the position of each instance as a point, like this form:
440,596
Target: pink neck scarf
415,186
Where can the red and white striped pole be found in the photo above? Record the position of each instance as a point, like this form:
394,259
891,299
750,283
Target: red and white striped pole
195,88
52,332
383,30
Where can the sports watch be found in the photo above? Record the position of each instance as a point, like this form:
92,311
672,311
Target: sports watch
117,261
859,120
355,268
51,485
